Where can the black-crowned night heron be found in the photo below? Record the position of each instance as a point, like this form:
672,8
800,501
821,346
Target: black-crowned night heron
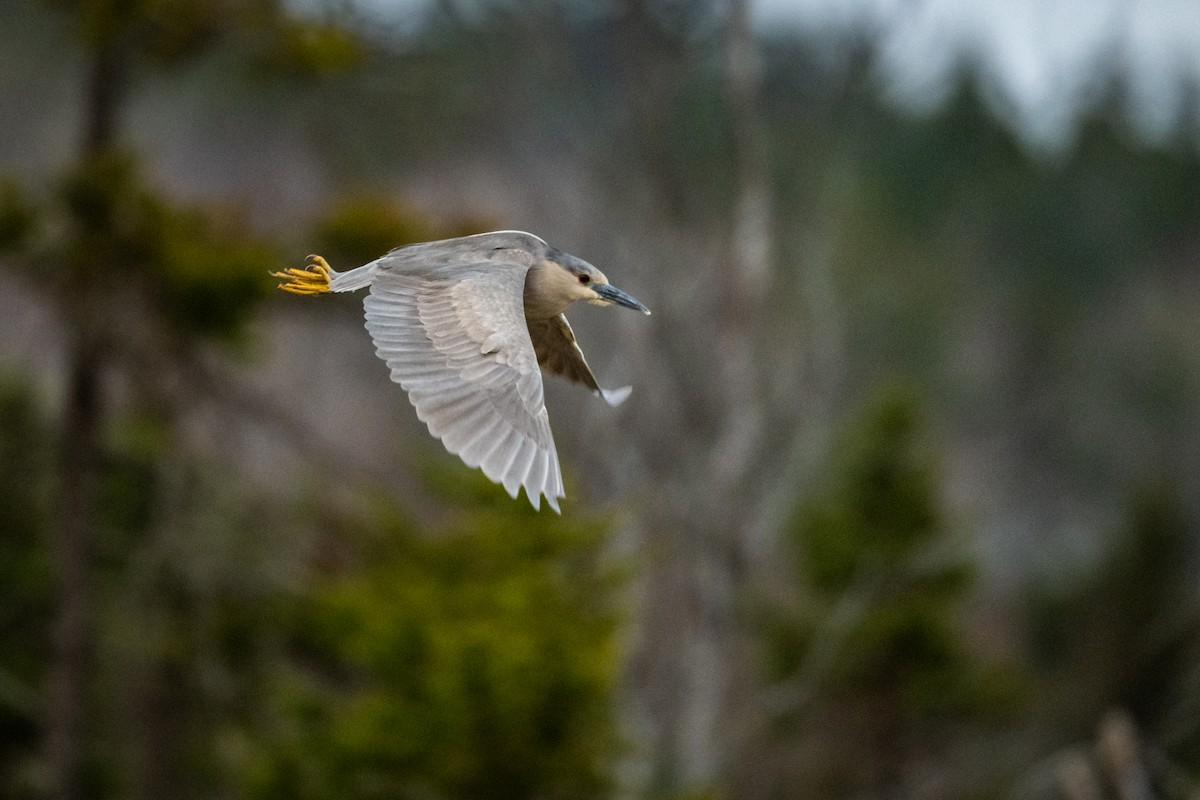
464,325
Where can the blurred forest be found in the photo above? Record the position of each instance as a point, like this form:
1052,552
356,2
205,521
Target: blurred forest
905,503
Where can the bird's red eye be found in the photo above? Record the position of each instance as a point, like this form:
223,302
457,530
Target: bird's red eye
585,279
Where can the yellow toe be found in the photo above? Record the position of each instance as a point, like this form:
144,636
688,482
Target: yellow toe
314,279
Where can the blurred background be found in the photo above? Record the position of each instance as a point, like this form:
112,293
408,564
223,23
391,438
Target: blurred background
905,501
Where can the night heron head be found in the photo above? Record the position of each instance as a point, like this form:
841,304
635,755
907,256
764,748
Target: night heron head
592,285
558,279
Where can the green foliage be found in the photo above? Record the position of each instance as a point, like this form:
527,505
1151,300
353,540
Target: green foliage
192,573
874,642
166,30
1125,634
879,508
304,49
203,277
475,663
211,277
25,578
171,32
1058,233
112,222
16,217
876,530
362,227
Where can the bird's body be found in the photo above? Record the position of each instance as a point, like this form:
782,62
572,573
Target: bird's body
464,325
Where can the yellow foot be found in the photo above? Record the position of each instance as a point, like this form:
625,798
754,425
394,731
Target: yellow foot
313,279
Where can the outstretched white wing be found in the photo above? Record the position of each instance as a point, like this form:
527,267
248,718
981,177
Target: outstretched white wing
455,339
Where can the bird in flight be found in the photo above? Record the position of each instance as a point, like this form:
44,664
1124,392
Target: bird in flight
464,325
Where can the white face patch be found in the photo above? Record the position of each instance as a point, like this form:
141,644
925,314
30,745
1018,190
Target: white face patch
549,289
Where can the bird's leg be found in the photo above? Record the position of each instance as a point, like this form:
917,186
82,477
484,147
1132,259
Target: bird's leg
313,279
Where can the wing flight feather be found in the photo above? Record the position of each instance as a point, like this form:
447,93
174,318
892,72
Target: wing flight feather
457,342
559,353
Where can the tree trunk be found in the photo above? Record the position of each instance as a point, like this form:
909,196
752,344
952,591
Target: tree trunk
71,669
73,628
690,661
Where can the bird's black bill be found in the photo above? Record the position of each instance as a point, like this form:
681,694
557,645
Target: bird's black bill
614,295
